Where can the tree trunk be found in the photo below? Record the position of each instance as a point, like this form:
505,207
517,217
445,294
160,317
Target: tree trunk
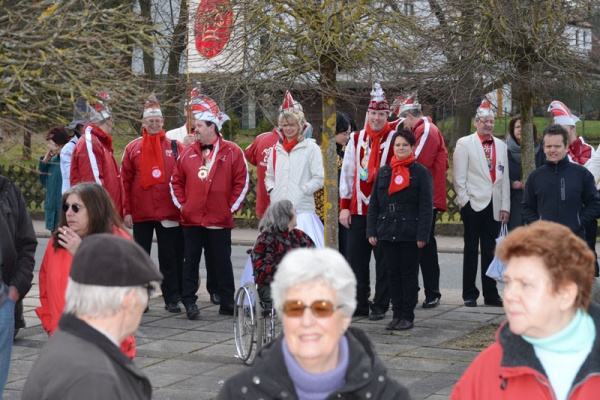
26,145
526,99
147,57
174,87
330,190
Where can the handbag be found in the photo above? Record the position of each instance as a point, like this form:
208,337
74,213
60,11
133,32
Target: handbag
496,268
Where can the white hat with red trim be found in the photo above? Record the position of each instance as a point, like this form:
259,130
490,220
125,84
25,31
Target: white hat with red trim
562,114
485,110
100,110
404,103
205,109
152,108
378,101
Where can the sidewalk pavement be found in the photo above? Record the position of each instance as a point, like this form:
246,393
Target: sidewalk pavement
247,237
191,359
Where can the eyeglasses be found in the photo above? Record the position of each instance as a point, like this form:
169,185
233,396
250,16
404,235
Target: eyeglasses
151,289
74,207
319,308
153,121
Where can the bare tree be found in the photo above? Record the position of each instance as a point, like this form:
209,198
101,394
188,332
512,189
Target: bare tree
54,52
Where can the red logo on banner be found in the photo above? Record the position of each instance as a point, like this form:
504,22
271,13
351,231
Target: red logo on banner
213,26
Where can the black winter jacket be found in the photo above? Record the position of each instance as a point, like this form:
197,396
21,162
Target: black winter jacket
562,192
18,238
366,377
405,216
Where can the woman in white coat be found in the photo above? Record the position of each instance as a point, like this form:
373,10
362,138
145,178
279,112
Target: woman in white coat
295,172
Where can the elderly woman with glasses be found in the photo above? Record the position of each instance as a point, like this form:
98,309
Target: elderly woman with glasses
318,356
548,348
87,209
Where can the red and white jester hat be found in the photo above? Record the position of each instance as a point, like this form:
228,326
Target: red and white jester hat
289,102
378,100
485,110
100,110
152,108
404,103
205,109
562,115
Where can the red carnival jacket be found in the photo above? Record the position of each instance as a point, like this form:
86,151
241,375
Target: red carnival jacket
211,200
509,369
580,151
257,154
156,203
93,161
430,151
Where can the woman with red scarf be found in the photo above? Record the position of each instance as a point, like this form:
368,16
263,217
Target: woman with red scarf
295,172
399,220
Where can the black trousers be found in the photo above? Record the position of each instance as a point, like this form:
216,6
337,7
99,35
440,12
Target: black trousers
480,227
343,240
359,256
402,262
217,247
170,254
591,231
430,266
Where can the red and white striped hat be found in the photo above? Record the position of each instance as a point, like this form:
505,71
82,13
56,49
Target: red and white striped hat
378,100
485,109
100,110
562,114
152,108
205,109
289,102
404,103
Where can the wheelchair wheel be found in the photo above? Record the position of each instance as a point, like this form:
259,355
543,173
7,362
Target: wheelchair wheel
247,323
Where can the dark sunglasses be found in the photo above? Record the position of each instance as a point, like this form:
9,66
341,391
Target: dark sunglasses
319,308
151,289
74,207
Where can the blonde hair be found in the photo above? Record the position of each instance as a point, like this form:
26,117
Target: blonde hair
295,116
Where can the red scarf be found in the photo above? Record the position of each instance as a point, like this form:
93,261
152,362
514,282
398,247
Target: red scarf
152,167
288,146
400,173
375,157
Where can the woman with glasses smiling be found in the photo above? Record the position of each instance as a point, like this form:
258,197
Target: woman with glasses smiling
318,356
87,209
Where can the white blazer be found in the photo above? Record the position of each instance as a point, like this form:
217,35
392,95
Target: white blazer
471,176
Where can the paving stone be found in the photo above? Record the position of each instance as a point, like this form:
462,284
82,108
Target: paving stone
20,367
188,368
437,353
431,384
203,336
418,364
171,346
156,332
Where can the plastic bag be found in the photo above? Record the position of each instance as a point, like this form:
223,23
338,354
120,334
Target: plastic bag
496,268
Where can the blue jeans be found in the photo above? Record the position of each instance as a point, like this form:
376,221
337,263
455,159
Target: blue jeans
7,329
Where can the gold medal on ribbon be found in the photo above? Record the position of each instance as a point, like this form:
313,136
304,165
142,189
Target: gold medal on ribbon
203,173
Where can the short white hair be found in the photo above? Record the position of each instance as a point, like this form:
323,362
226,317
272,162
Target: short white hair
315,265
96,301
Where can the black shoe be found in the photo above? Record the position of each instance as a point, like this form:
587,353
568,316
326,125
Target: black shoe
360,313
496,302
431,303
192,311
172,308
215,299
403,325
470,303
226,310
377,314
392,325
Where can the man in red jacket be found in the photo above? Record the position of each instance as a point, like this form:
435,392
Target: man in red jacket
146,169
93,156
430,151
209,184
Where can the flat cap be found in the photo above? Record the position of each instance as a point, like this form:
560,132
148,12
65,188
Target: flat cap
107,260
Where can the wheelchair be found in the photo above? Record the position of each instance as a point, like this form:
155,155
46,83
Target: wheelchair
253,323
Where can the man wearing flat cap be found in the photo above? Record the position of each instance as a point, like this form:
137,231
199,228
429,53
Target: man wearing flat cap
108,290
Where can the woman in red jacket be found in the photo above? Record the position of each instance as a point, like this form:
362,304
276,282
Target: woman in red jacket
86,210
549,347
